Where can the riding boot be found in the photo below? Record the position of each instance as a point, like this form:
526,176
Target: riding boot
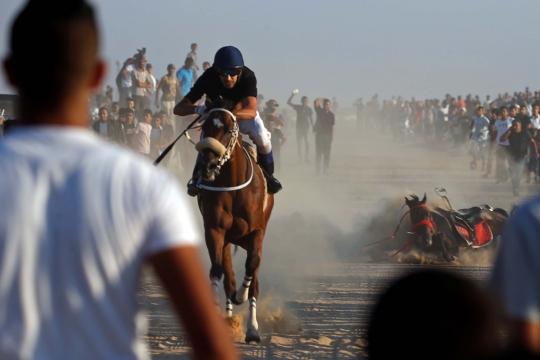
266,162
192,188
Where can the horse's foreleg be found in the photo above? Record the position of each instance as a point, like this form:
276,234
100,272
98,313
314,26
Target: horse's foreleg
253,263
229,281
445,253
214,243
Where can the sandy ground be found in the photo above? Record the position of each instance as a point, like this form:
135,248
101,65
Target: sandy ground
316,292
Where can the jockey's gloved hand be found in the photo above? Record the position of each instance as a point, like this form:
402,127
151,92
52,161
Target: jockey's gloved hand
200,110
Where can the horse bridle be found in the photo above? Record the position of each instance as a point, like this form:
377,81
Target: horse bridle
227,155
429,223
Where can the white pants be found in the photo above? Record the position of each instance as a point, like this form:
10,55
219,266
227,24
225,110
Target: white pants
257,133
168,107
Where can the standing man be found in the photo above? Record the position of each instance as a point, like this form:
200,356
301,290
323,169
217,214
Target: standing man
360,111
87,215
124,80
170,85
185,75
193,55
304,118
535,117
479,135
142,83
152,89
324,133
230,79
501,150
519,140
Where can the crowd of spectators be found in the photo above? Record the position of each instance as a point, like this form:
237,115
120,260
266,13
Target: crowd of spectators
504,129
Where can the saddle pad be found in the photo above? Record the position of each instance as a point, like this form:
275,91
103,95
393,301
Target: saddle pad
483,234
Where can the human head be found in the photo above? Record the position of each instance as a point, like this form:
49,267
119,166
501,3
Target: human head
229,63
115,107
435,310
536,110
103,114
272,105
188,62
130,103
194,47
516,124
129,115
156,120
304,101
147,115
149,68
206,65
480,110
504,112
327,104
163,116
170,69
67,46
122,115
523,110
141,61
513,110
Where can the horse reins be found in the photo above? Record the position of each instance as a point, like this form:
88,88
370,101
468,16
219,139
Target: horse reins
233,141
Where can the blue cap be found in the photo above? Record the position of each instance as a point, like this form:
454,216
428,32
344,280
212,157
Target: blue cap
228,57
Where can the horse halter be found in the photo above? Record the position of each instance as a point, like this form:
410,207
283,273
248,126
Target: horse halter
232,141
429,223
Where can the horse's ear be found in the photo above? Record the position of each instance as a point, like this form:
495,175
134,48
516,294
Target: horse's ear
424,199
406,201
414,197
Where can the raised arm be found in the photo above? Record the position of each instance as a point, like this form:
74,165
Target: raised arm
317,102
289,102
181,273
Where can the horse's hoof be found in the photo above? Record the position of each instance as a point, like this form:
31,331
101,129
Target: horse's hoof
252,336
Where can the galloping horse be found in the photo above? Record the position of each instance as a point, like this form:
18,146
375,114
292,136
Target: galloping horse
445,232
235,207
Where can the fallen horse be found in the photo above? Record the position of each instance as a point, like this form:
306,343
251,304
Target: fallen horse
443,232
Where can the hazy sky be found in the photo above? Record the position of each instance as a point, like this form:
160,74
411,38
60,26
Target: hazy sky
332,48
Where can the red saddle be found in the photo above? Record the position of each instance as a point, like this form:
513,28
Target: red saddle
483,233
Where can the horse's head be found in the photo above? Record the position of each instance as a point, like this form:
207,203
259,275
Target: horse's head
220,134
421,219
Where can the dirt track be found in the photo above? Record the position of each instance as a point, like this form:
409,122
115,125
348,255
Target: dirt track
313,279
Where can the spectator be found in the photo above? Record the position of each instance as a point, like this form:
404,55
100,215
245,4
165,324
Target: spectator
142,83
129,127
453,317
130,104
122,122
460,103
535,117
492,142
152,90
142,133
115,111
206,65
501,126
479,135
516,276
185,76
533,165
105,128
519,140
304,118
167,136
260,102
360,114
170,85
278,140
124,80
88,216
109,93
271,110
193,55
524,118
324,133
156,137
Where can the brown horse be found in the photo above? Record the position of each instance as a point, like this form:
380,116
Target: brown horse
436,234
235,208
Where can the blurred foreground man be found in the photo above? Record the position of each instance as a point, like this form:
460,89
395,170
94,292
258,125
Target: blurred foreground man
80,216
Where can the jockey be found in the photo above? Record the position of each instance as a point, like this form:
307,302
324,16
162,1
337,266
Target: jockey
230,79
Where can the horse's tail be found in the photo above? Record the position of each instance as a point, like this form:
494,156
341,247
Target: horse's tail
503,212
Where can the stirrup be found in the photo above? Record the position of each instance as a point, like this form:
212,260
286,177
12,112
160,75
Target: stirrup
192,188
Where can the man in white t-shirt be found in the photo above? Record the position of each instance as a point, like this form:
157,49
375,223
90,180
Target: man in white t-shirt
81,217
501,126
535,117
516,276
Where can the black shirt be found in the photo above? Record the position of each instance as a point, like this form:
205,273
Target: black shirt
302,116
276,139
325,122
210,84
524,120
519,143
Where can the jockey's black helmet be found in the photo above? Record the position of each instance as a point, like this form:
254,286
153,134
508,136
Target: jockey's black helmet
228,57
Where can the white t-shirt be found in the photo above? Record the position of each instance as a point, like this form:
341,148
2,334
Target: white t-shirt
79,216
502,126
516,275
141,138
127,81
535,122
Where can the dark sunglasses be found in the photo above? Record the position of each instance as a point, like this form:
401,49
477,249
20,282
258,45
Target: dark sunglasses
229,72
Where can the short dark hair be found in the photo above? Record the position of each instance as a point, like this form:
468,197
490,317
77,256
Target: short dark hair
147,111
149,66
326,101
188,61
115,103
303,98
129,111
206,63
503,108
129,99
68,41
194,44
122,112
512,107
